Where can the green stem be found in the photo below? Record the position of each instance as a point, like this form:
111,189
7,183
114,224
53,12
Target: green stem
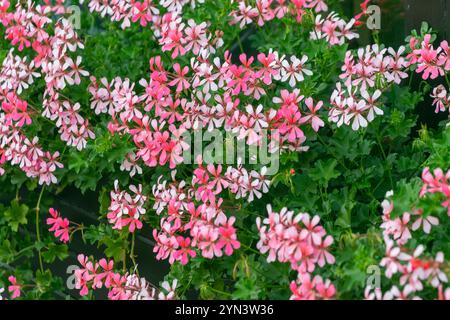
220,292
249,248
17,254
411,73
385,159
132,253
447,80
124,261
240,43
185,288
332,153
38,233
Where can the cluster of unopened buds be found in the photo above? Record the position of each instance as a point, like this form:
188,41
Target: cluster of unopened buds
365,76
266,10
125,208
299,240
415,271
96,275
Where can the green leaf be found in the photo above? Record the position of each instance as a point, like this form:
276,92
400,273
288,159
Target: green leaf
115,248
55,251
77,162
323,172
6,252
247,288
16,215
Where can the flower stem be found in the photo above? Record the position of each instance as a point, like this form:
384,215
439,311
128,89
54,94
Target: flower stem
240,43
132,253
220,292
447,80
249,248
38,233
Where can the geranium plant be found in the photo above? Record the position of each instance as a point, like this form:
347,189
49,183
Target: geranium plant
258,148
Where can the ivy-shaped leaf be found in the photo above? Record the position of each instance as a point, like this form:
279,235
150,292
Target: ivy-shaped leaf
16,215
324,171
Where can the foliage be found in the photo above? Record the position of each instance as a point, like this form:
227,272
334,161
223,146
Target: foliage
354,163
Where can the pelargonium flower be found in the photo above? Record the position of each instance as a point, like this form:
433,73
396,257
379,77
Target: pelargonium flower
95,275
14,288
125,208
438,182
58,225
303,243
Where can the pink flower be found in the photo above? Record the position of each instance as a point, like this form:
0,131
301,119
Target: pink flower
312,117
306,289
426,222
141,13
298,240
14,287
125,208
185,251
295,70
180,80
59,225
428,60
437,183
323,255
228,238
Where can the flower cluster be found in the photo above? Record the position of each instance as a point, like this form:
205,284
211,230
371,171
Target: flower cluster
364,78
183,98
415,271
17,149
210,230
363,6
14,288
158,143
333,29
96,275
28,27
316,288
173,34
159,119
58,225
437,182
431,62
159,138
267,10
302,242
440,99
126,209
